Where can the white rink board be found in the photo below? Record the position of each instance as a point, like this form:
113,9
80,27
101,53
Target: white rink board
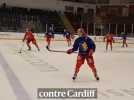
21,74
59,37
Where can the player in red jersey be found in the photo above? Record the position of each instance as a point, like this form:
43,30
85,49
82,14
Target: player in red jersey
29,37
86,47
109,40
67,35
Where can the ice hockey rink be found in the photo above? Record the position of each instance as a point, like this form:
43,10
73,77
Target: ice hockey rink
21,74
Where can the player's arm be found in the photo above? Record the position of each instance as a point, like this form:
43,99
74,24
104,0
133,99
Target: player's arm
75,47
104,38
91,46
90,52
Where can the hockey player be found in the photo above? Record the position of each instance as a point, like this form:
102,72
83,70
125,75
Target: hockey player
109,40
86,48
124,38
67,35
29,37
49,35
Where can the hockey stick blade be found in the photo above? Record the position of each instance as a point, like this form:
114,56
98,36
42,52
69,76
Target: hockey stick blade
20,51
54,50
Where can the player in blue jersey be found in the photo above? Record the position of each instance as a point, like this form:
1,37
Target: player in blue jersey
49,36
124,38
67,35
86,48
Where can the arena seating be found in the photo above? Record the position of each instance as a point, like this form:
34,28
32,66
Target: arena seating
16,19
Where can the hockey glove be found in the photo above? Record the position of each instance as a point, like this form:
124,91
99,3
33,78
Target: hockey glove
69,51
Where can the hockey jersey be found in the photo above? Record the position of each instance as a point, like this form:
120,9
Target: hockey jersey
83,44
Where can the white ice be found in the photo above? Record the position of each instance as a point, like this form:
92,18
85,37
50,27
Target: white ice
22,74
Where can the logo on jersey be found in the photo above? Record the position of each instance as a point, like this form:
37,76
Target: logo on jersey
84,46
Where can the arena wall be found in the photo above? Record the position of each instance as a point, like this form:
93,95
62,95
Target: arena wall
58,37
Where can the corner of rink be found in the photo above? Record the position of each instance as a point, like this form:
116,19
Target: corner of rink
22,74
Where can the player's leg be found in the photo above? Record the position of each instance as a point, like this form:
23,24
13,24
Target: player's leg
67,41
80,62
28,44
70,41
35,43
48,41
107,45
123,43
126,43
90,62
111,45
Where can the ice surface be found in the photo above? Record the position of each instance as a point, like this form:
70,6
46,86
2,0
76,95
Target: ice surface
22,74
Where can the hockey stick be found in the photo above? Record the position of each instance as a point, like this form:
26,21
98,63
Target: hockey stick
57,50
20,51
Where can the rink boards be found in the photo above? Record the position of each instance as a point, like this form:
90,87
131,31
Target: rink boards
58,37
